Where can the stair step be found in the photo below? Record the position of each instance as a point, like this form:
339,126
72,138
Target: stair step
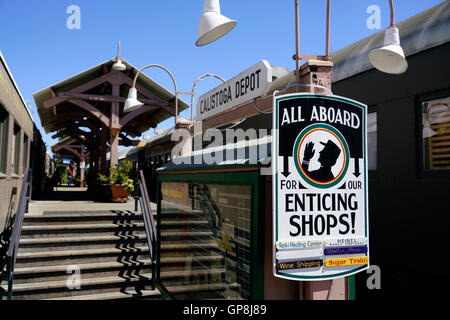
202,287
62,227
61,284
81,214
181,233
191,258
187,246
128,294
169,211
183,222
83,267
184,273
74,253
80,240
80,218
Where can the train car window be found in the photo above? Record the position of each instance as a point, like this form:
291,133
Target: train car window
4,125
372,140
25,152
15,150
436,134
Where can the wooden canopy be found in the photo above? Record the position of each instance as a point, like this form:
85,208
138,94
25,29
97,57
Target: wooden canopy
88,108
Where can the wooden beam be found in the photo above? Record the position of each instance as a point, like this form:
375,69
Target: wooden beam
71,123
69,115
80,89
91,109
132,115
106,98
131,130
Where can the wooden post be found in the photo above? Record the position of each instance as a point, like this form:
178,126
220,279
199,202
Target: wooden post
103,149
82,166
114,128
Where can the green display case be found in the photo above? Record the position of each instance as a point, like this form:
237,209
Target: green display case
210,239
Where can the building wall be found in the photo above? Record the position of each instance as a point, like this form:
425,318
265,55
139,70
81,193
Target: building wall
408,206
18,115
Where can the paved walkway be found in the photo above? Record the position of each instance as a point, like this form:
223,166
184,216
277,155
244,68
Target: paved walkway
76,199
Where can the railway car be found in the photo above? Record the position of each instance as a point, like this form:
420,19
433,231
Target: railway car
21,147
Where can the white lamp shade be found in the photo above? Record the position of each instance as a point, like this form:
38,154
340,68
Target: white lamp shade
390,58
132,103
119,66
212,24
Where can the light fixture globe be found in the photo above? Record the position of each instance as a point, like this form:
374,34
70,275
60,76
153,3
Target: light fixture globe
212,24
119,66
390,58
132,103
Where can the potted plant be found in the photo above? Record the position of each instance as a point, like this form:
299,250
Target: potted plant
119,181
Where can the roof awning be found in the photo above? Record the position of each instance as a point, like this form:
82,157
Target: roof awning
77,97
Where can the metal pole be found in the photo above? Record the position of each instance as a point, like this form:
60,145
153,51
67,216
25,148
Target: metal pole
327,45
174,83
193,89
391,5
297,43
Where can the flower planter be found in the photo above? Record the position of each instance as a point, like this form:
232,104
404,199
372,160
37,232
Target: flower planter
119,193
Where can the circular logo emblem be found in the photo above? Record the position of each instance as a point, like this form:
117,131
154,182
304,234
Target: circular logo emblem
321,155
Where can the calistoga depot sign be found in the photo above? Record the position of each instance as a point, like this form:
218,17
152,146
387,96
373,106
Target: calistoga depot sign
319,187
247,85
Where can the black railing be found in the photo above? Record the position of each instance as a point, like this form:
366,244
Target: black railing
22,207
149,222
5,235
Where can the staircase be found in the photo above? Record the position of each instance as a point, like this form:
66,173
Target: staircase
193,265
107,249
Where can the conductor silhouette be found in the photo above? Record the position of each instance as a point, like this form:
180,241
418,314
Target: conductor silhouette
327,158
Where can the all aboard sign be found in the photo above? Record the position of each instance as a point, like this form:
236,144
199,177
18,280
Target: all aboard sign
247,85
320,193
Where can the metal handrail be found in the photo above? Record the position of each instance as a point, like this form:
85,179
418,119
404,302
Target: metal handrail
149,222
24,198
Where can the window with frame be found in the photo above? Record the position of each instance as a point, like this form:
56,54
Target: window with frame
15,150
435,127
25,153
4,126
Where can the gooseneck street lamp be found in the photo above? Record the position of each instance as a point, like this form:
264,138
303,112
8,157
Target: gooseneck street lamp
212,24
118,65
192,93
390,58
132,103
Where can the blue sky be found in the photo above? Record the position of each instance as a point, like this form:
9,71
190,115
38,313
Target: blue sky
40,50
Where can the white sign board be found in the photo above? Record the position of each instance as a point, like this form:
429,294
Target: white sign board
320,197
246,86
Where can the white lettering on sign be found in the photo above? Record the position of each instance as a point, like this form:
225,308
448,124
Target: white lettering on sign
246,86
319,165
